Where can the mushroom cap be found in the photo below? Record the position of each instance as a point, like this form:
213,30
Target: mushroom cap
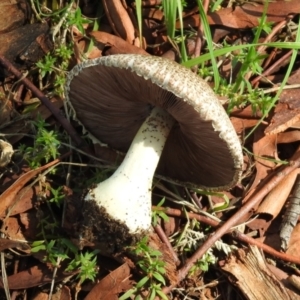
111,97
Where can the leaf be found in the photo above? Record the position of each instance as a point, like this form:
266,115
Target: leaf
8,196
128,294
162,295
142,282
152,295
159,278
111,285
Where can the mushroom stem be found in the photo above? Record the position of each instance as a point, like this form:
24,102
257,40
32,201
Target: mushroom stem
126,195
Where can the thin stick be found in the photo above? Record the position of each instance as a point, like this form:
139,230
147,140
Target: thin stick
234,233
159,231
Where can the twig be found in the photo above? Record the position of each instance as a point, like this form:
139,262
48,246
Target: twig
234,233
249,240
256,199
173,212
54,110
159,231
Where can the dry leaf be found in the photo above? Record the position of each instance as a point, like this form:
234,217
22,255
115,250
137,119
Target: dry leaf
119,20
288,137
7,198
62,293
116,45
264,149
274,201
111,285
34,276
246,15
286,113
240,125
6,244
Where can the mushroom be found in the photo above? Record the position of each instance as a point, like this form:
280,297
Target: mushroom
167,119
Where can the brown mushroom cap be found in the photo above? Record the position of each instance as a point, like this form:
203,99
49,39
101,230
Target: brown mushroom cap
111,97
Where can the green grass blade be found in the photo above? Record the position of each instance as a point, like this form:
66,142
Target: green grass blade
138,4
170,8
218,52
180,17
251,55
210,47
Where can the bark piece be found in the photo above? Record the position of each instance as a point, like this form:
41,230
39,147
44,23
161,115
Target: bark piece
295,281
287,112
291,215
26,44
13,14
247,270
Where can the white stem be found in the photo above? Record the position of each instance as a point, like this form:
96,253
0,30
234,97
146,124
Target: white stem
126,195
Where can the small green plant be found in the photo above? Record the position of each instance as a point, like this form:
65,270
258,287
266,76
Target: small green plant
56,63
55,250
154,270
86,263
46,65
215,5
57,196
251,62
45,146
190,238
76,18
61,249
265,26
157,214
258,100
204,263
55,247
